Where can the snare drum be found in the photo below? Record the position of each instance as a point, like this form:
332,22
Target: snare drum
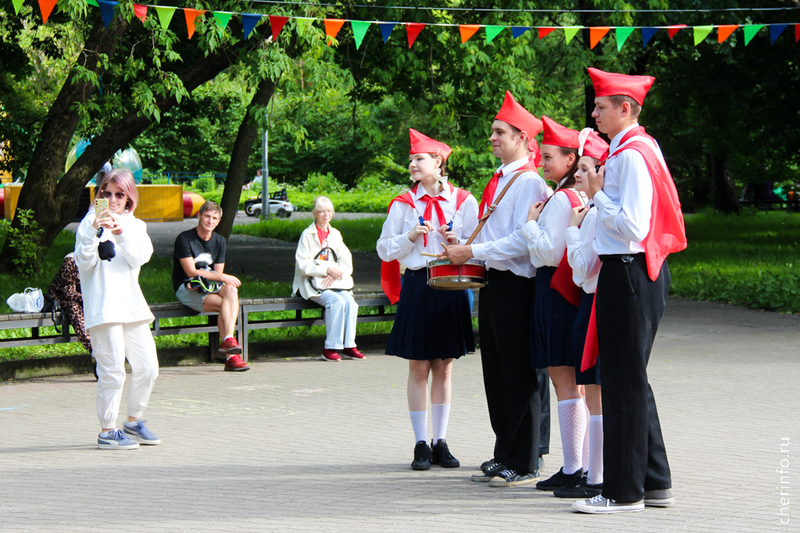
442,274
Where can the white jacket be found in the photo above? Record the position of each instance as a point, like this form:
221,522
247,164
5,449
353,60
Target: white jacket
111,292
305,267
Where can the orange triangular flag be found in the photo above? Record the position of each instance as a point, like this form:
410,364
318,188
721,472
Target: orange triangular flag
544,32
723,32
47,7
140,11
597,33
672,30
191,15
412,31
332,27
467,31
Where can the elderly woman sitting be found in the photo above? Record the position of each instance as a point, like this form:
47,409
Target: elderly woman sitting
323,274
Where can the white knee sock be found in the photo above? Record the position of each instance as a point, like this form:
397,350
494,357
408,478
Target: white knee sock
440,412
419,421
586,453
595,467
572,423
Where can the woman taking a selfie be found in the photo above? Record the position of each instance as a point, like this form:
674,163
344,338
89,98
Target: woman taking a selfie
110,247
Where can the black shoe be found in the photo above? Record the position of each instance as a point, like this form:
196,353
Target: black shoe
583,490
440,455
560,480
422,456
488,471
488,464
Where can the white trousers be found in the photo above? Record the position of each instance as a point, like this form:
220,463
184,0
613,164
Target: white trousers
111,345
341,314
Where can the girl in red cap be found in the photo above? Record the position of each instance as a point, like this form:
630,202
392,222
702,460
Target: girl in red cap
432,327
557,296
585,268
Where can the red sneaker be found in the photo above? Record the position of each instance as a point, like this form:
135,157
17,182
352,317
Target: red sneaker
235,364
352,353
330,355
230,346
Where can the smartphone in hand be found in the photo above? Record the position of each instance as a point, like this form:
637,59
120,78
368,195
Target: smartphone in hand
100,205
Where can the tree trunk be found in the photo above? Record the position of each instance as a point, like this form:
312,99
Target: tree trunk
55,202
242,148
725,198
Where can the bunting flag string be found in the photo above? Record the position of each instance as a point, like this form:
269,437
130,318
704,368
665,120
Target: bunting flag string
360,28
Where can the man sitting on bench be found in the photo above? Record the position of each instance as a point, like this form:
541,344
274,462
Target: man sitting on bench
199,281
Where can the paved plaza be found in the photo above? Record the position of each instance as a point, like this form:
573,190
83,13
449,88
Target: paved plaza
304,445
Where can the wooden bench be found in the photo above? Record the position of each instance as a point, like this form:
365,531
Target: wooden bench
163,311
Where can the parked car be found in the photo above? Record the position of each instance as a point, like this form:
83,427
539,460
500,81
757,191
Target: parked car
279,208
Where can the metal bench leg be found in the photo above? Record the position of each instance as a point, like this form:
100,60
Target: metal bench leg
213,339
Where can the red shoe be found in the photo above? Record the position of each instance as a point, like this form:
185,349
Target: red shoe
235,364
330,355
230,346
352,353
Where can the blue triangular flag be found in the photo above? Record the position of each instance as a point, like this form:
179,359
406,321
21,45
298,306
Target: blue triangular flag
516,31
647,34
386,29
249,22
775,30
107,11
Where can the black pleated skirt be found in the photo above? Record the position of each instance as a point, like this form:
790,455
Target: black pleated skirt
592,375
553,322
430,323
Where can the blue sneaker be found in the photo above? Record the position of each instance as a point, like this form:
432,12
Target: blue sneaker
117,440
140,433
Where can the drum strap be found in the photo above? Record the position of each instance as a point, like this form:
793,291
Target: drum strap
490,209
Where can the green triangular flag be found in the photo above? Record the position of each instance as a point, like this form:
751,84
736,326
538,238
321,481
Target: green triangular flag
165,15
223,17
492,32
750,31
359,30
571,32
700,33
93,3
622,36
17,5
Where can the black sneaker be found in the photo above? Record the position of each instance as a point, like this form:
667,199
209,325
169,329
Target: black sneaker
560,480
486,474
512,478
583,490
440,455
422,456
488,464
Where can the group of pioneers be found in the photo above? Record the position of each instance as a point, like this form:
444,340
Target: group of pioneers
575,284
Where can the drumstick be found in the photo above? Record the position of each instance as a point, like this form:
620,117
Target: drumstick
443,245
428,255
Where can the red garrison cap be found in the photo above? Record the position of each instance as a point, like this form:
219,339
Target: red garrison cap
591,144
421,144
519,117
612,84
557,135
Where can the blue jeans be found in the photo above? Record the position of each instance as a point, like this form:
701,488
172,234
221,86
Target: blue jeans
341,313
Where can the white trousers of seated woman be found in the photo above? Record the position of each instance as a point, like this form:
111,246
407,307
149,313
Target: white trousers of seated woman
112,344
341,314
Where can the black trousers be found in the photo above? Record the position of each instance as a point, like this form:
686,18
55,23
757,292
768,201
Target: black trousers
511,384
629,307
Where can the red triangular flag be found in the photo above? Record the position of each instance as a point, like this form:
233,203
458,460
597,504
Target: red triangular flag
412,30
796,32
47,7
544,32
723,32
597,33
277,24
467,31
672,30
332,27
140,11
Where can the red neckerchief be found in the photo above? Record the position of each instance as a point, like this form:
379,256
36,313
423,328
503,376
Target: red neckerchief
562,277
491,187
667,233
390,270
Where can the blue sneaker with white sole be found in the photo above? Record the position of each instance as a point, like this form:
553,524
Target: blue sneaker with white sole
116,440
140,433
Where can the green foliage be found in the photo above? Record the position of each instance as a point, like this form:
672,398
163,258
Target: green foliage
25,240
750,259
322,183
358,234
374,198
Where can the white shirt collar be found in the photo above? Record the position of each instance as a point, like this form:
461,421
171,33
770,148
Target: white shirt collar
510,168
618,138
445,191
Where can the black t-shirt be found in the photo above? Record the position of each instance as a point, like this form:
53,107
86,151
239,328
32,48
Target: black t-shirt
205,254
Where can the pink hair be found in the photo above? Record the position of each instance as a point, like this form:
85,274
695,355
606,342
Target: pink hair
122,178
